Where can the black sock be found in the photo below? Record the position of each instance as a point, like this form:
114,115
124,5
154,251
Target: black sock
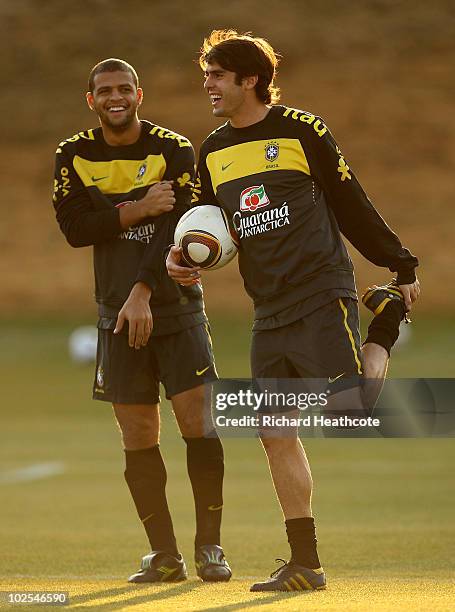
302,540
146,478
384,329
205,461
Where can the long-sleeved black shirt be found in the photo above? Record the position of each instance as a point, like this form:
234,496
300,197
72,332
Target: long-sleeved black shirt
91,179
289,192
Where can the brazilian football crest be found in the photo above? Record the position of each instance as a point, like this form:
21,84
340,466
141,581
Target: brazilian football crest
272,150
141,171
100,377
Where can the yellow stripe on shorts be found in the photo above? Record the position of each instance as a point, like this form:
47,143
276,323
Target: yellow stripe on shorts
351,335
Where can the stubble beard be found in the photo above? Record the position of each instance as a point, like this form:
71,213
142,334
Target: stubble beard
118,127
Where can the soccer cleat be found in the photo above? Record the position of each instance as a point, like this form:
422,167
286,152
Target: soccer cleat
211,564
159,566
293,577
376,298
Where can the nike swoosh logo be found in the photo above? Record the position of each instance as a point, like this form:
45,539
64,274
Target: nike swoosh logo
99,178
331,380
223,168
213,508
201,372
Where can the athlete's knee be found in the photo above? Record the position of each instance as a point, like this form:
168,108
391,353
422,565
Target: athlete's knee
193,413
276,445
139,428
135,437
192,428
375,359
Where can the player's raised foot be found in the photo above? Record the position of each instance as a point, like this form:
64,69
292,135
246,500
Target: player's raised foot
159,566
293,577
376,298
211,564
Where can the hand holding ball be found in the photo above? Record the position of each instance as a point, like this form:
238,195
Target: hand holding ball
205,238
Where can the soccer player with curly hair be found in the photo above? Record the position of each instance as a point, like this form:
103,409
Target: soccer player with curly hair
281,177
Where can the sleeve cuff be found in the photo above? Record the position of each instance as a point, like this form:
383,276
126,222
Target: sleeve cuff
148,278
406,277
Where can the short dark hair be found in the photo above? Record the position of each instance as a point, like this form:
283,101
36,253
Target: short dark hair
246,55
111,65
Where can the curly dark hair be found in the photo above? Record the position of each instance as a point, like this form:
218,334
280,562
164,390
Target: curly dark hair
246,55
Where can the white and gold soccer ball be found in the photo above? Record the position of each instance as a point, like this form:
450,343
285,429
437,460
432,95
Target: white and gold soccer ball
206,240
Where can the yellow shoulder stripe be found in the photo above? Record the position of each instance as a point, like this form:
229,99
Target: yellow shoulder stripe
165,133
249,158
318,126
120,175
88,135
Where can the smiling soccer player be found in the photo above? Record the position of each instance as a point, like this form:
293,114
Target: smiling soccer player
283,180
122,188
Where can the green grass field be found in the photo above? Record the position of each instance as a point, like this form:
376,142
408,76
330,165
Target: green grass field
384,507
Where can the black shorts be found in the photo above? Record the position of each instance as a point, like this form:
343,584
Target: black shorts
180,361
323,344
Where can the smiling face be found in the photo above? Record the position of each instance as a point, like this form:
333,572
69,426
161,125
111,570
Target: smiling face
228,98
115,99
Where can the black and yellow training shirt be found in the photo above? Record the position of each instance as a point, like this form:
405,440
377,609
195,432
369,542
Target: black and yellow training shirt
91,179
289,192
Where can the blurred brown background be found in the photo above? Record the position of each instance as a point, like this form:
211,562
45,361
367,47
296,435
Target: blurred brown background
380,72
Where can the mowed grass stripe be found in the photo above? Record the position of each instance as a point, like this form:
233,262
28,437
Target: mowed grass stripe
36,471
193,595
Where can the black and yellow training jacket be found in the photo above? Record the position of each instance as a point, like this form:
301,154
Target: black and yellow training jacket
290,192
91,179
